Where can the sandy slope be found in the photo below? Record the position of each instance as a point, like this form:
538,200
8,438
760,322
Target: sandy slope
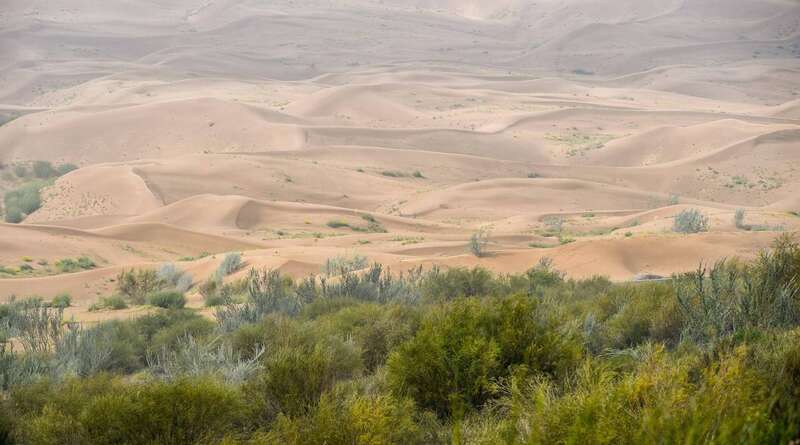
221,125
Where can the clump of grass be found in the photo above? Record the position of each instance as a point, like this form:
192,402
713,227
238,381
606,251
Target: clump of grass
393,174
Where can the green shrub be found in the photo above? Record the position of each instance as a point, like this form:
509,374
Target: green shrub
114,303
65,168
336,224
43,169
738,219
69,265
353,420
167,299
478,242
183,412
13,215
230,264
454,360
138,284
457,282
22,201
690,221
61,301
295,376
342,264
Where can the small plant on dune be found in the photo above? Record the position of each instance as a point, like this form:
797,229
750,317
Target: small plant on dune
478,242
230,264
554,224
337,224
738,219
137,284
174,277
69,265
114,303
23,201
690,221
61,301
674,200
344,264
418,174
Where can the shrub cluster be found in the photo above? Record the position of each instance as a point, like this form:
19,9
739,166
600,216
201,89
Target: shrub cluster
26,198
429,357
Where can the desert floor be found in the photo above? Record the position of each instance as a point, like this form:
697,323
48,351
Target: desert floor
295,131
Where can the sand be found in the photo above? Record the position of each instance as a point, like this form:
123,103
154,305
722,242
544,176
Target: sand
209,126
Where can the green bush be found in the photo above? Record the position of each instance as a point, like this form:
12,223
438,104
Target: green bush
354,420
478,242
690,221
43,169
230,264
61,301
294,378
22,201
183,412
69,265
167,299
63,169
439,357
460,352
21,171
138,284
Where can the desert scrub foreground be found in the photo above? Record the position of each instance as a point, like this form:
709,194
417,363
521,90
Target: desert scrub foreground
437,357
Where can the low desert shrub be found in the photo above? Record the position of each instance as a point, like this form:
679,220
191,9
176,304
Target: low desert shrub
344,264
478,242
62,301
69,265
230,264
114,303
137,284
690,221
174,277
167,299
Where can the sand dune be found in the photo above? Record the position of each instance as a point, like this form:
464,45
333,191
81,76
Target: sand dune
297,130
